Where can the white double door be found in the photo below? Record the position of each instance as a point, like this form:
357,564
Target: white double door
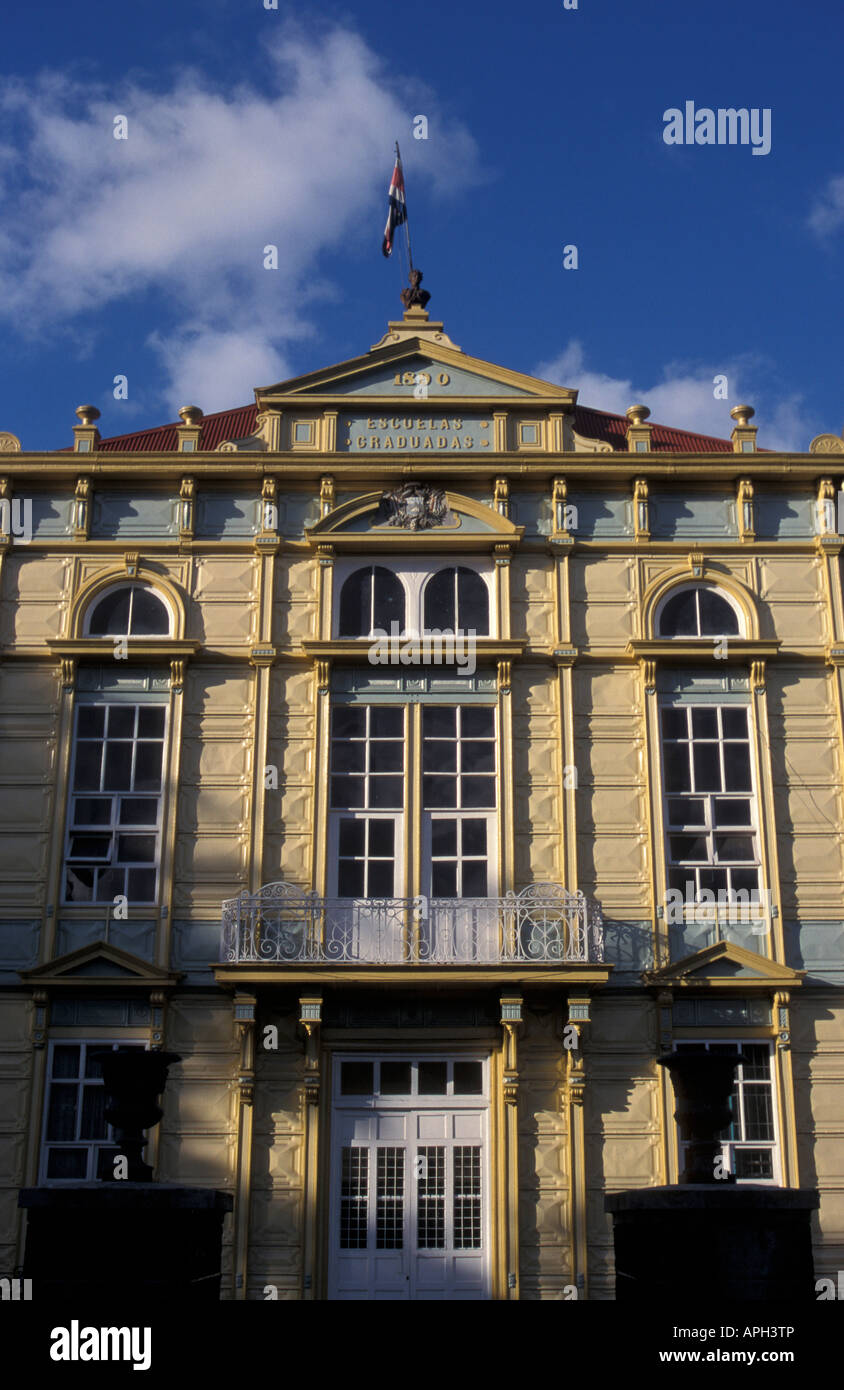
409,1208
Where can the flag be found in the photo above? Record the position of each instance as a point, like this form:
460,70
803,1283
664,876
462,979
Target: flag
398,209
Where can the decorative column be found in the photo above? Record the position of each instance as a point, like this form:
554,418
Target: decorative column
244,1016
511,1025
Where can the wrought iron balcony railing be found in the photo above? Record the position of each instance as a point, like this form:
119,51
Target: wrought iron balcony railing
542,925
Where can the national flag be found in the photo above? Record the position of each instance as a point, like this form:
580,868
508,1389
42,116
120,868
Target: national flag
398,209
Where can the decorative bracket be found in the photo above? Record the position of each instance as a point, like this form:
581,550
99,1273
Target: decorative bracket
187,493
67,665
244,1015
640,509
511,1024
504,672
177,676
326,495
310,1020
501,496
82,509
744,500
649,673
322,669
781,999
757,677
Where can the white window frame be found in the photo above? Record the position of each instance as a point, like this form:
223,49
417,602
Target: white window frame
710,829
92,1145
729,1146
413,575
697,637
114,828
95,602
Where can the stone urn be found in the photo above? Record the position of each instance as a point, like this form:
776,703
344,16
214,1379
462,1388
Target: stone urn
703,1084
133,1081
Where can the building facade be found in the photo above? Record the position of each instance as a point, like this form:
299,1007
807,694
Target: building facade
420,754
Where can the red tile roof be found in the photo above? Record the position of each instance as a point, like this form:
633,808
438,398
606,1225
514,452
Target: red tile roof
239,422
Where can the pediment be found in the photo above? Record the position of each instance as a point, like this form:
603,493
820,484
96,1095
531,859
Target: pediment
365,516
100,963
723,966
378,375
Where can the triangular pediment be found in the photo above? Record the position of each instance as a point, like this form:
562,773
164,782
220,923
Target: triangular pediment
98,964
725,966
395,370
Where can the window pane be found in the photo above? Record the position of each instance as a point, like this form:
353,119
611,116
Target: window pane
474,836
89,757
140,886
444,879
348,722
61,1115
352,837
439,756
148,767
79,885
439,601
389,600
381,878
347,791
674,723
356,1079
348,757
111,614
734,847
758,1113
121,721
477,722
477,757
472,602
386,793
745,881
734,722
350,878
756,1164
477,791
686,810
67,1163
440,721
444,837
474,879
707,764
713,880
677,777
731,812
679,616
395,1078
737,767
716,615
433,1078
138,810
136,849
92,810
149,616
704,723
93,1125
118,767
382,838
91,721
689,847
356,604
386,757
386,721
468,1079
439,791
151,721
96,847
66,1060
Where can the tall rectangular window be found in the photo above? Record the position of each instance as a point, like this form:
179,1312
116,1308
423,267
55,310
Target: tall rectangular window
114,823
459,783
710,803
750,1144
77,1141
367,797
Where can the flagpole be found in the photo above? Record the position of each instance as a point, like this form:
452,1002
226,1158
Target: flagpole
406,215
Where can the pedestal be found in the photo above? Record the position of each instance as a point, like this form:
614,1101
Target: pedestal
131,1240
705,1242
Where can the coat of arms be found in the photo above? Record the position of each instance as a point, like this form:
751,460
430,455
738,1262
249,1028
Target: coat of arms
416,507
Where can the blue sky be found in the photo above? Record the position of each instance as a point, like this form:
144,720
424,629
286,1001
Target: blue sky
249,126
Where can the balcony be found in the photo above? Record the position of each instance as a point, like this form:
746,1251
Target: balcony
544,925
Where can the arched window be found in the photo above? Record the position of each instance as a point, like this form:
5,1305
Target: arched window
371,598
697,612
457,599
129,611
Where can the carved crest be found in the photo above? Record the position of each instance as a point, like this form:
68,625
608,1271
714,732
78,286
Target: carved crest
415,507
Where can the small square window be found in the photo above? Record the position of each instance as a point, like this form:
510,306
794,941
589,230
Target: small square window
641,446
747,446
188,446
303,432
528,434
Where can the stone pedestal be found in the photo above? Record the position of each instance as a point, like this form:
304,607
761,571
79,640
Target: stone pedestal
153,1242
709,1242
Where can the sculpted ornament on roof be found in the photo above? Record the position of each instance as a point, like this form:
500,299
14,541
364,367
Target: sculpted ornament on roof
416,507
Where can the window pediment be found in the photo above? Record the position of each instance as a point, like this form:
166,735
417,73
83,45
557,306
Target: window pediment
464,522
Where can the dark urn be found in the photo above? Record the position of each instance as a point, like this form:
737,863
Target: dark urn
133,1081
703,1083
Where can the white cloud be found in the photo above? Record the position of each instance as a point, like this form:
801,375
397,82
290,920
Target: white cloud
827,214
183,208
684,397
